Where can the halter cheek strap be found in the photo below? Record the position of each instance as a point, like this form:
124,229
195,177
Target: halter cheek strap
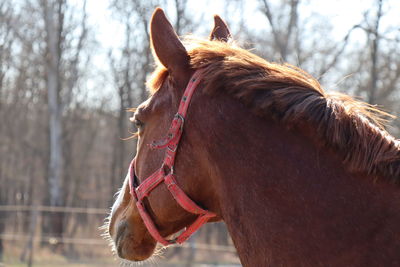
171,143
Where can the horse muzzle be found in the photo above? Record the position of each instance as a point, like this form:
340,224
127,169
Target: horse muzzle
132,246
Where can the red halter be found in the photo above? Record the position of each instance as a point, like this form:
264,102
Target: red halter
171,142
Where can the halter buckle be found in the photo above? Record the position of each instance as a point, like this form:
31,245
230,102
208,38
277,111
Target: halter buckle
172,149
180,117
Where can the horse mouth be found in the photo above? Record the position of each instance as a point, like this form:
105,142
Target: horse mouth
130,248
127,251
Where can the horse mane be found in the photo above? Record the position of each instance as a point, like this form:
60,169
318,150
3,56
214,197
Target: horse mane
354,129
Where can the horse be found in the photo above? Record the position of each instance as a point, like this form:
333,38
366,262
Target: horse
300,177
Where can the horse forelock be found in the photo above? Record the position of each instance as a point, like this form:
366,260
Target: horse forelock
352,128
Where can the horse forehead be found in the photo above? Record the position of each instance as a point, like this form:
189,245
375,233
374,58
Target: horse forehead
144,104
154,103
146,107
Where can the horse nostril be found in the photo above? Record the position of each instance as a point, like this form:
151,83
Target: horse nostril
119,252
119,237
121,228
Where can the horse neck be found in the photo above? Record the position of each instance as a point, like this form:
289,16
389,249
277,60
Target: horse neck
288,202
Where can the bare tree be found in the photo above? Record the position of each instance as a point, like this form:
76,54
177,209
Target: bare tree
282,33
375,38
375,75
130,67
53,13
62,71
293,39
6,42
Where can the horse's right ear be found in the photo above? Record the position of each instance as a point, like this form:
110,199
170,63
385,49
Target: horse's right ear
166,45
221,31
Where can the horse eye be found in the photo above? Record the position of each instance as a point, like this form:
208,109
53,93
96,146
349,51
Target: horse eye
137,123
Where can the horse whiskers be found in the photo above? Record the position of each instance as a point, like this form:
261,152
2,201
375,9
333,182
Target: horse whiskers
105,227
159,251
106,234
153,260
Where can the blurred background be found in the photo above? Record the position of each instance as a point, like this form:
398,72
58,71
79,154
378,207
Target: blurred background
70,69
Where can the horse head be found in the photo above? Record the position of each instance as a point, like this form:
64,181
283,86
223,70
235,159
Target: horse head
131,237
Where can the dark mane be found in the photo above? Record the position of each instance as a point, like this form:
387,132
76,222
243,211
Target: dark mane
352,128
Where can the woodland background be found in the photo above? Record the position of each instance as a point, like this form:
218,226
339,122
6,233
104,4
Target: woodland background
65,88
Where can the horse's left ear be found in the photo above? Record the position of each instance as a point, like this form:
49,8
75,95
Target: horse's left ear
221,31
166,44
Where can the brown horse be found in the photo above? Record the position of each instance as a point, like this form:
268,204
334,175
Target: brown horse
299,176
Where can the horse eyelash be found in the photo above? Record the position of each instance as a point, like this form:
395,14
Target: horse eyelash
134,135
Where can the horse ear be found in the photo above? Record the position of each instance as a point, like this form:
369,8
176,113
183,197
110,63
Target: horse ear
221,31
166,44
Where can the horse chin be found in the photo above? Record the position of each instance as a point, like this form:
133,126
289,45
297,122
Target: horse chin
130,252
132,246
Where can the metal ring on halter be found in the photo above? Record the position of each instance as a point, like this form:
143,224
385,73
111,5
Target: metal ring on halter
172,149
179,116
170,169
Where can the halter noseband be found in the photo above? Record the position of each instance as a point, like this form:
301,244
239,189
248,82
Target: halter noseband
166,174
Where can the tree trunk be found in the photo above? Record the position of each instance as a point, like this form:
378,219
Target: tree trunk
374,56
2,215
53,18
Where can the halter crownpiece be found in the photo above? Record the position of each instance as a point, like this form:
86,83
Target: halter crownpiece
171,143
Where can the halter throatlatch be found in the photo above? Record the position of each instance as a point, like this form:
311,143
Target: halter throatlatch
171,142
